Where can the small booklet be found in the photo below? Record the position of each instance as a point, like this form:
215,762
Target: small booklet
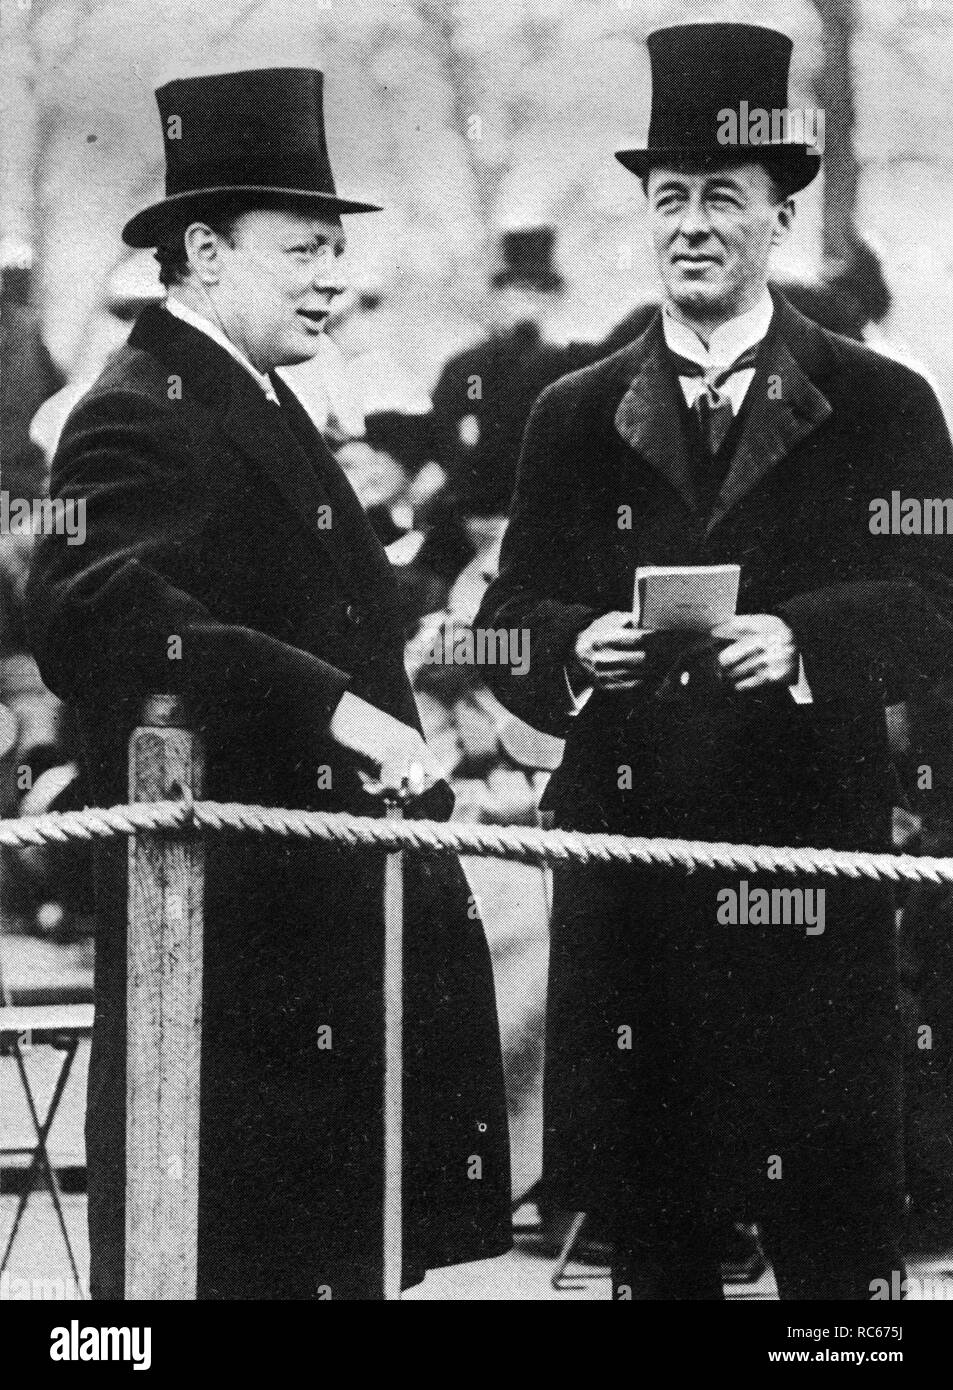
685,598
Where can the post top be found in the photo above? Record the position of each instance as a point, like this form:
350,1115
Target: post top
163,712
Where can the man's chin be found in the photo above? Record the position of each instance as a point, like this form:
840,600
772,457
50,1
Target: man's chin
698,299
301,350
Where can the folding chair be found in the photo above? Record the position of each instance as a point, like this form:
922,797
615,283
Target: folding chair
61,1026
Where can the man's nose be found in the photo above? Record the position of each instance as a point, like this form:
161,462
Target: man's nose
330,281
695,222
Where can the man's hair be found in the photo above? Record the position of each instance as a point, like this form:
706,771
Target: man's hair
780,187
221,215
171,254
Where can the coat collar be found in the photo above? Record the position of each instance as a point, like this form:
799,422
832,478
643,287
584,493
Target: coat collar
789,403
263,433
180,310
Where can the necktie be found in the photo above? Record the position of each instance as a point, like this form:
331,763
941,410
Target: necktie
711,408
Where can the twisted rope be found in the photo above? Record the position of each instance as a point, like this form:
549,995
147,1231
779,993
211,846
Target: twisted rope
527,845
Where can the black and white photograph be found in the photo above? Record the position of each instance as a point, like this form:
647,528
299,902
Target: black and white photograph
476,662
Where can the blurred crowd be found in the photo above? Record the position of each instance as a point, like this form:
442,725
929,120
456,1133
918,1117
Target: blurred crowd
434,465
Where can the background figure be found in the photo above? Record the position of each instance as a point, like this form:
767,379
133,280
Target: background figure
481,404
484,396
48,889
375,417
921,736
850,297
28,376
132,285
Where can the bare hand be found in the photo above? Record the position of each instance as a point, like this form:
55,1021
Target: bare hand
758,650
397,762
609,653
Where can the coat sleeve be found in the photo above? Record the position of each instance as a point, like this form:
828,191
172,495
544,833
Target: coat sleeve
103,614
889,626
533,591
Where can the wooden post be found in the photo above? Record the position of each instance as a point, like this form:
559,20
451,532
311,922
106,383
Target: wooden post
164,1016
393,1066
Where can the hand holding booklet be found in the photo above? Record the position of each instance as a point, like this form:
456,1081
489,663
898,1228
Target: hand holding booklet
685,598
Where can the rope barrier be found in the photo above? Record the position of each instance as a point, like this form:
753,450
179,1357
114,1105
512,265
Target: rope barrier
165,957
525,844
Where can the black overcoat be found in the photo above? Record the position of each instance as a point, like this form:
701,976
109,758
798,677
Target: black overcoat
216,518
480,407
749,1043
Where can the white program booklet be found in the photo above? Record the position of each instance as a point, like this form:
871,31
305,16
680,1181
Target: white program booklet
685,598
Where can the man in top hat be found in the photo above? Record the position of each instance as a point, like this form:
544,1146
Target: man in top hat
484,396
709,1060
228,561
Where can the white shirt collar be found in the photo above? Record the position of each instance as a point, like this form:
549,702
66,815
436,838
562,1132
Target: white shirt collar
728,341
182,311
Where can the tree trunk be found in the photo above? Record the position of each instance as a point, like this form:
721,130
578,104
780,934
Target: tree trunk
834,89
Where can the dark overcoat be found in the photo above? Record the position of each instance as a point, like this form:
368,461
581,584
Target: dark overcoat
481,403
749,1043
216,518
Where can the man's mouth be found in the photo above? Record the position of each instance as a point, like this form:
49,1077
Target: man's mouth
315,317
687,261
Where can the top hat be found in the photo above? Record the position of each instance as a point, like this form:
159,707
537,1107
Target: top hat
700,73
528,261
235,133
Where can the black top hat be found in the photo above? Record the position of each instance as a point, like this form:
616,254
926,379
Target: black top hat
528,260
702,71
258,132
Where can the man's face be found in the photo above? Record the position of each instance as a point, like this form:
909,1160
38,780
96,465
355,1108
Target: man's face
276,284
515,304
713,232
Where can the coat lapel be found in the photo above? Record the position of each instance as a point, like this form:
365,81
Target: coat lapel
255,425
786,408
355,549
263,433
648,416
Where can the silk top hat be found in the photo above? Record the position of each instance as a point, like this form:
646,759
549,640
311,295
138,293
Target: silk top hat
702,74
258,132
528,260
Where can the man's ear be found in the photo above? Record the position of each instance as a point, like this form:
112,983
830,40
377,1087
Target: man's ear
786,213
203,250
